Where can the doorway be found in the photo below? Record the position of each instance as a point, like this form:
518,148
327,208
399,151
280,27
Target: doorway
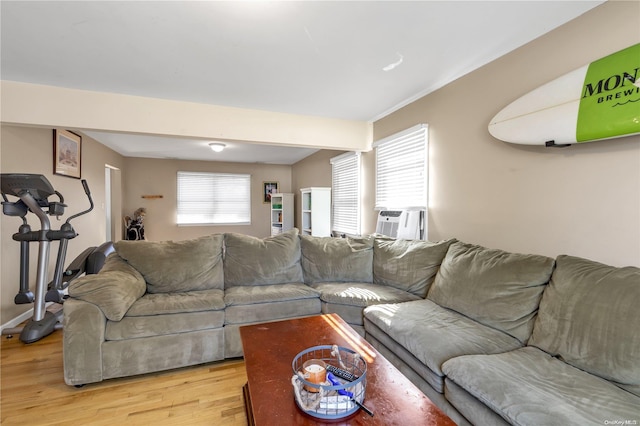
113,203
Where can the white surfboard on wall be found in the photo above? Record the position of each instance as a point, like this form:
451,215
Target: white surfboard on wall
598,101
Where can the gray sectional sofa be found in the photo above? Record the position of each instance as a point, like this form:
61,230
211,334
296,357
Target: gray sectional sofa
491,337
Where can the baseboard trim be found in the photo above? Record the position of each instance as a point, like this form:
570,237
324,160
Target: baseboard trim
17,320
20,318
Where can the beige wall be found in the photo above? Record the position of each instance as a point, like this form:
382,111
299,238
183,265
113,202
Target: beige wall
582,200
30,150
83,109
158,177
315,170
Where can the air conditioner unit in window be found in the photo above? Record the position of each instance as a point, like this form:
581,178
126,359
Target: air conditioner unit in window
405,224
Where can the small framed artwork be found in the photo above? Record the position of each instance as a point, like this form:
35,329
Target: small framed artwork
67,153
269,188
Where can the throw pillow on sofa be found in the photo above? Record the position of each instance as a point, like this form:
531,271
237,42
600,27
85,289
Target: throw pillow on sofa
589,317
262,261
494,287
408,265
175,266
327,259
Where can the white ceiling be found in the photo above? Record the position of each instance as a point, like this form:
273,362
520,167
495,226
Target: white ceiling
149,146
356,60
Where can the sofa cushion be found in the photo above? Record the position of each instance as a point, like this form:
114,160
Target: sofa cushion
405,361
270,311
434,334
251,261
246,295
173,303
589,317
408,265
247,304
327,259
348,299
121,358
174,266
352,315
529,387
162,325
361,294
494,287
114,289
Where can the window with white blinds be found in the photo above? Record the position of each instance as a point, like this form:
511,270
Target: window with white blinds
214,198
402,170
345,192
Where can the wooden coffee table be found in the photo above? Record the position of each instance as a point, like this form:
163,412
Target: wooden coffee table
269,349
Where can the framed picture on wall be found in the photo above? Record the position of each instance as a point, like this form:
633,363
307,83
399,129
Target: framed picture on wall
67,153
269,188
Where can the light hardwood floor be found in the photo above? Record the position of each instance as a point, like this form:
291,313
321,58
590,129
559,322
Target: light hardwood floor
33,392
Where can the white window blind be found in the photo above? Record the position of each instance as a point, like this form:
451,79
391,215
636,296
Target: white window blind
345,189
214,198
402,170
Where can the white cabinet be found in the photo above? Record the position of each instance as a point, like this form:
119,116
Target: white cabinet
316,211
281,213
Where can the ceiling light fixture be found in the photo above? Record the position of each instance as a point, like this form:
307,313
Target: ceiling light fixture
217,147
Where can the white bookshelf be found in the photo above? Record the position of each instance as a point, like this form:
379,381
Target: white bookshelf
315,206
281,213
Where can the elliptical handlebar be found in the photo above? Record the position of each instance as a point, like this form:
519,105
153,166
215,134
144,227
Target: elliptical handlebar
59,196
85,185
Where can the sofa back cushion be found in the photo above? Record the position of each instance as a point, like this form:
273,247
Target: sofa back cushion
327,259
408,265
174,266
494,287
262,261
589,316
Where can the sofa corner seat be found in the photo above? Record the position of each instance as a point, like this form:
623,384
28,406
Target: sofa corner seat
263,282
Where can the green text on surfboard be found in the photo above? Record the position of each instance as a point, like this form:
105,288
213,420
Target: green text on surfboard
610,103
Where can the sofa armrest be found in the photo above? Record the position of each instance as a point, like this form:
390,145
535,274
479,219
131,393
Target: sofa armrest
113,290
83,334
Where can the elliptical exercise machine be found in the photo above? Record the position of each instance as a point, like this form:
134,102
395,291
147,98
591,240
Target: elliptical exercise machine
33,191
